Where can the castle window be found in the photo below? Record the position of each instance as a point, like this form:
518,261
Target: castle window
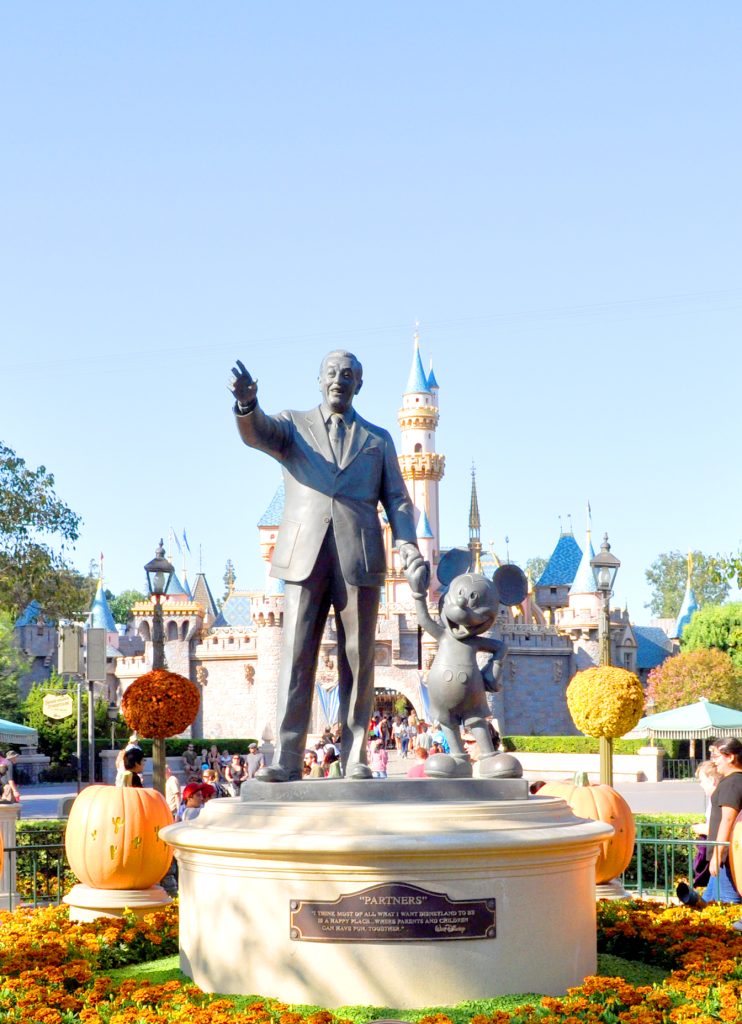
418,447
184,630
172,630
144,631
231,639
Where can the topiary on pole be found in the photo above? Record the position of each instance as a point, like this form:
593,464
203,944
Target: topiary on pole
605,702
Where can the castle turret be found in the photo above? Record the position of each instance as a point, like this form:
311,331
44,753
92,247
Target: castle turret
422,468
689,605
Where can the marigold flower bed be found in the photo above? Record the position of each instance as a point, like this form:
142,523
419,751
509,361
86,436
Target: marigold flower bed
53,972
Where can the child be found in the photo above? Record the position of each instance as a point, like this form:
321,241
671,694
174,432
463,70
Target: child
133,768
193,801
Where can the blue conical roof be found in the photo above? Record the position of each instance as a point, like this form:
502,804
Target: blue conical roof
687,609
424,531
274,513
584,581
561,568
100,614
432,382
176,588
417,383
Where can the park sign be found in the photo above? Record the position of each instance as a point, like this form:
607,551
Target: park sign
57,705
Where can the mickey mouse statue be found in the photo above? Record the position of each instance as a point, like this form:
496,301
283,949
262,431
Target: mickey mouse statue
456,685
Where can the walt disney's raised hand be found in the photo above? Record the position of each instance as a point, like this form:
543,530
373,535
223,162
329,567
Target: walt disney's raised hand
243,387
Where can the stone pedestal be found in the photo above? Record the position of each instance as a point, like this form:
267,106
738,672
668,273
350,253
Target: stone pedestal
9,815
392,893
87,904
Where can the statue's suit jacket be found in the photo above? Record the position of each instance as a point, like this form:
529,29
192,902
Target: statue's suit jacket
320,492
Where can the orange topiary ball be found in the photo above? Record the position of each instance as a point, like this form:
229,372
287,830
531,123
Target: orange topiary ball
601,803
112,838
160,704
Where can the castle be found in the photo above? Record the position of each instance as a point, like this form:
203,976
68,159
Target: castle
232,653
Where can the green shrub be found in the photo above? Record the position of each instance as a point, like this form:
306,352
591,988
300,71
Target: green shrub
579,745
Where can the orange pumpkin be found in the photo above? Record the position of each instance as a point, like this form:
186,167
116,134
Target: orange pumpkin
600,803
112,839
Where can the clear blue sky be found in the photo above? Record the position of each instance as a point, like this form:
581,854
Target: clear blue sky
553,189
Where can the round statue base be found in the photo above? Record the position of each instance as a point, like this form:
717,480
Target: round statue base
397,893
87,904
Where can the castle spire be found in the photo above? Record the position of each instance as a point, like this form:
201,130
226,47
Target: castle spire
417,382
475,524
584,581
690,604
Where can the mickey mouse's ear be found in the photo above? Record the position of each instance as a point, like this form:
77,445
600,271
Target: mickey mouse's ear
511,584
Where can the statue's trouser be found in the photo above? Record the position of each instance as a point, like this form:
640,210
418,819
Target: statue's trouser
305,610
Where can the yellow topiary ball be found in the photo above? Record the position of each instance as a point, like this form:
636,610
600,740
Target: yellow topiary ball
605,702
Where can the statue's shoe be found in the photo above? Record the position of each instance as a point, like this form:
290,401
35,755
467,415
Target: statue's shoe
446,766
500,766
359,771
272,773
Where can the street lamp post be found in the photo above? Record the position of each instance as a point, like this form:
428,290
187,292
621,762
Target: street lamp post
159,573
112,714
605,566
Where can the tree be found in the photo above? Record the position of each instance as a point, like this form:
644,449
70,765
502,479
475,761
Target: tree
58,737
13,665
230,578
33,522
535,567
718,626
122,604
668,575
691,675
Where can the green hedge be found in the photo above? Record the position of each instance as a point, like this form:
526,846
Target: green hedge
176,746
579,745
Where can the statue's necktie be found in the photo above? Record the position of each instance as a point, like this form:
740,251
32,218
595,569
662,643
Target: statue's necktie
337,436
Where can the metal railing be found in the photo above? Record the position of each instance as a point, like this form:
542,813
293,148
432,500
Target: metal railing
40,871
43,875
660,861
679,767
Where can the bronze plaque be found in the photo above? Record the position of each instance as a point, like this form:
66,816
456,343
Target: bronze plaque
393,912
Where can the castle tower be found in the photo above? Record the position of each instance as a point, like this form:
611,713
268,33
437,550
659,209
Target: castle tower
422,468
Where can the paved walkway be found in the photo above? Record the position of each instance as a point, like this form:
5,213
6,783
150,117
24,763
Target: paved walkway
669,797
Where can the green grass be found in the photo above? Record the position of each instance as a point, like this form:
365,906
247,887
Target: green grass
634,972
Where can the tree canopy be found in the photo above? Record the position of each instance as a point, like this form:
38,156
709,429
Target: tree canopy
13,665
121,604
535,567
58,737
668,574
718,626
691,675
36,531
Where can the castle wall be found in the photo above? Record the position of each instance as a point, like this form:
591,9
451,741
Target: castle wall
535,675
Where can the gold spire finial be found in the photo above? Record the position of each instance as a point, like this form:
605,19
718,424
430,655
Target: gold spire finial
417,334
690,564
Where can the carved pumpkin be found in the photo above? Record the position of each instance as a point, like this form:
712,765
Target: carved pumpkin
600,803
112,839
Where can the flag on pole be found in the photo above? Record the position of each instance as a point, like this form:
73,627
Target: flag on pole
174,536
185,541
